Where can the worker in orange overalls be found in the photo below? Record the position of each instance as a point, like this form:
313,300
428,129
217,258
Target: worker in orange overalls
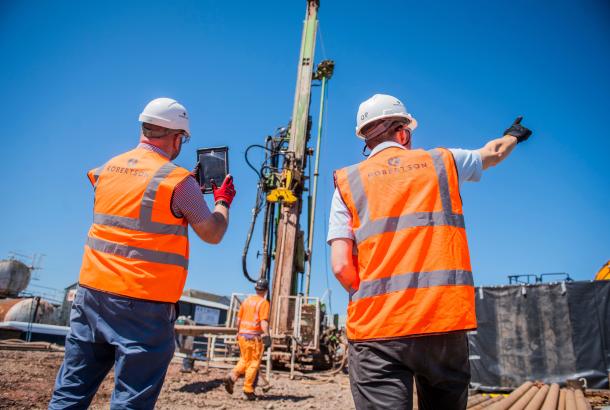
252,337
399,248
135,264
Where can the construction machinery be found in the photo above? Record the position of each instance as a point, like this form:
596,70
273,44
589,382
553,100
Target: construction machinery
286,188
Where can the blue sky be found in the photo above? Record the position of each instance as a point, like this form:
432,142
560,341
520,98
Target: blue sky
75,76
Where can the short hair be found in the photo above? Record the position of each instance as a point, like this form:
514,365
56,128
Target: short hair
156,131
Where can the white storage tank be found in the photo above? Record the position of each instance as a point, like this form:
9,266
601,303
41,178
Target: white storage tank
27,309
14,277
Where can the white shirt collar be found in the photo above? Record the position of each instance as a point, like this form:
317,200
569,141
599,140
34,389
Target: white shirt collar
384,145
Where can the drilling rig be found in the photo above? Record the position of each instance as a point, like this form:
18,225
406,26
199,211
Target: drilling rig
286,188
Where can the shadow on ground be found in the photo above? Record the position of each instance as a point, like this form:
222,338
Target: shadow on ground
201,387
285,397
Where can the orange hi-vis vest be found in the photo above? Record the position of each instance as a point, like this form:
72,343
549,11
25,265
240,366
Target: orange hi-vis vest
251,312
136,247
413,264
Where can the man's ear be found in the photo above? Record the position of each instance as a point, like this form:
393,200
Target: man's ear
404,140
400,137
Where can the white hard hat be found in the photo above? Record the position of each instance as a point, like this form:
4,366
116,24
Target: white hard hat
379,107
167,113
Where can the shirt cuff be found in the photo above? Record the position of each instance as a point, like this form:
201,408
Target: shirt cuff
477,171
339,233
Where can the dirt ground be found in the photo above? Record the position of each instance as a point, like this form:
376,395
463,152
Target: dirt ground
26,382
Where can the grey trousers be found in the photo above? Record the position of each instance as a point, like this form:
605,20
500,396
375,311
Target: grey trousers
382,372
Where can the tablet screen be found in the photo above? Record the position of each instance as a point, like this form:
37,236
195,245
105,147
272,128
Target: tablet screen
214,166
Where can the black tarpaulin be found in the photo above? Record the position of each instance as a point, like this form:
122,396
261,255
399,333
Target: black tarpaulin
547,332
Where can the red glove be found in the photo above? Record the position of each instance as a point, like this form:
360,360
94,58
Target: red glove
226,192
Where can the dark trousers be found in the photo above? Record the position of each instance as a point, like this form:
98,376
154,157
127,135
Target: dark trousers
136,336
382,372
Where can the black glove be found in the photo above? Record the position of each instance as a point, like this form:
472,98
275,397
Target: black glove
518,130
267,341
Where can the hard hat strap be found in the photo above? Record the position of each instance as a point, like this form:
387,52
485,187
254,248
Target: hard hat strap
364,151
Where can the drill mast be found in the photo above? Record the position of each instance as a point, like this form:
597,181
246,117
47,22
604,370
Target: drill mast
297,326
285,275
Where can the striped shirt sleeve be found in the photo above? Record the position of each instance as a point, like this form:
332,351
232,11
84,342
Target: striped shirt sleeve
188,202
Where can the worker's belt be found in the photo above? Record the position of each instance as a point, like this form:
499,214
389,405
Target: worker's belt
249,336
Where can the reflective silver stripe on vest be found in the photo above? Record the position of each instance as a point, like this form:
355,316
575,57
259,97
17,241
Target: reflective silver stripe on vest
443,181
357,189
151,190
145,223
139,225
369,228
132,252
414,280
398,223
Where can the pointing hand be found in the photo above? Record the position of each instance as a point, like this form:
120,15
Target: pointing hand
519,131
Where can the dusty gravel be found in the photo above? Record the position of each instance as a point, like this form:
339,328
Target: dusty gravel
26,382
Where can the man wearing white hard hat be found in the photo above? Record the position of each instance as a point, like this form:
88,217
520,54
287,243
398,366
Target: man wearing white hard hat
398,246
135,264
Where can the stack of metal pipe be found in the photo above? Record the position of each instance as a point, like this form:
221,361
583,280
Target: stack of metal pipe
535,396
482,401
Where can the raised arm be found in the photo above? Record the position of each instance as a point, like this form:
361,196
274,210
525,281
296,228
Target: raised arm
496,151
213,228
209,226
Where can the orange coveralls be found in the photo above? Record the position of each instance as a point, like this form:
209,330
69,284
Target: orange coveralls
252,311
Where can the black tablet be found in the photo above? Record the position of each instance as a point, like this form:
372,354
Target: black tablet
214,166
